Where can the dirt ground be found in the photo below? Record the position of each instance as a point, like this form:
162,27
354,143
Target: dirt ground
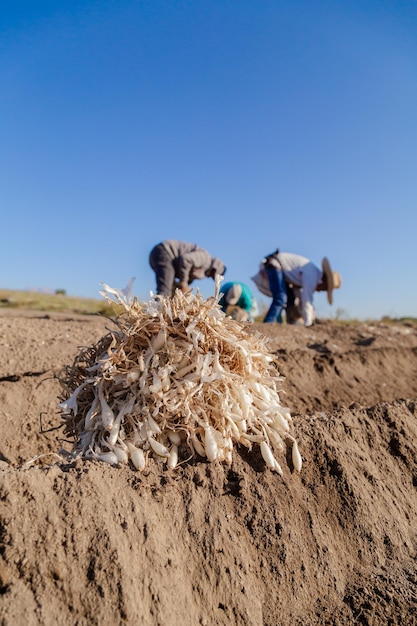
86,543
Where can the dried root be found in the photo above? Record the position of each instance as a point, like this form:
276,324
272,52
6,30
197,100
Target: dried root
176,379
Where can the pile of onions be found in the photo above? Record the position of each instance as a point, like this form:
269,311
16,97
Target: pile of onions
177,378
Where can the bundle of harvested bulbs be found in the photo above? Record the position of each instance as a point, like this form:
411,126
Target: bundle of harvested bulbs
177,378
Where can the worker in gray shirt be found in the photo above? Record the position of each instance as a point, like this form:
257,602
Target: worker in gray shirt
177,264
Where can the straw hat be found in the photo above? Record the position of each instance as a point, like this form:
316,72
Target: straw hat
333,279
234,294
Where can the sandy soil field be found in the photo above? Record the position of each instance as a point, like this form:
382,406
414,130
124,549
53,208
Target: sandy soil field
86,543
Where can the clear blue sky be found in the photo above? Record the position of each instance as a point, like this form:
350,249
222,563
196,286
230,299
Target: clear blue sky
241,125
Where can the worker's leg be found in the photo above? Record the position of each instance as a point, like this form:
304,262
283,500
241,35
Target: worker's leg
161,263
279,294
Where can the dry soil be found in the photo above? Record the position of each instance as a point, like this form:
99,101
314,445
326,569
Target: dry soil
85,543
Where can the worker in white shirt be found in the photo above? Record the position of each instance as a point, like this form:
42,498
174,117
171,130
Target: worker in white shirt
286,270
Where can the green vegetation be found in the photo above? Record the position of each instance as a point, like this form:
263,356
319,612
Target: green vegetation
60,302
56,302
408,321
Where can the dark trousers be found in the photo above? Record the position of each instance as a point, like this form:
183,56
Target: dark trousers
279,294
163,266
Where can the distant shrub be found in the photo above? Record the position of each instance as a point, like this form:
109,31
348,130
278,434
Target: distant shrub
60,292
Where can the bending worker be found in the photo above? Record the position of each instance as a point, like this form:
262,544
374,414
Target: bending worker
238,295
177,264
285,268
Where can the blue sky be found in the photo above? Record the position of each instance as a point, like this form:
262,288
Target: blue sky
241,125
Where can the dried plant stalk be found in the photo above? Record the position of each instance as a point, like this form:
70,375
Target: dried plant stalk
177,378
